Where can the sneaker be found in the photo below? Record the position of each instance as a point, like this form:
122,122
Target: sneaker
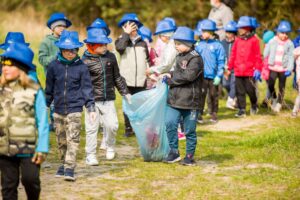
214,118
181,136
200,119
103,144
188,160
128,132
69,175
110,153
294,114
91,160
274,102
230,103
253,111
241,113
277,108
60,172
173,157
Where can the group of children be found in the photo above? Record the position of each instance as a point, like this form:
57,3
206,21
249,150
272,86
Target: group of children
192,69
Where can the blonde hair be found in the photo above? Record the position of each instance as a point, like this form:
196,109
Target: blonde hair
24,80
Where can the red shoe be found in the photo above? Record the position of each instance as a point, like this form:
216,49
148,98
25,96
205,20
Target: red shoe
181,136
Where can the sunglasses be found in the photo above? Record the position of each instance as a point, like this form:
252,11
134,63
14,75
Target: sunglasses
7,63
74,51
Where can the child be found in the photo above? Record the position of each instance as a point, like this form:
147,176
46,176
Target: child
281,62
245,60
213,55
24,128
134,58
105,76
48,50
184,95
229,79
297,101
68,84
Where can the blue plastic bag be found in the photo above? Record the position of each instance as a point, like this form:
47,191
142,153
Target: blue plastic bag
147,118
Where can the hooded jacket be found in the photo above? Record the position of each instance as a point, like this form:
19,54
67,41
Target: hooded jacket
48,50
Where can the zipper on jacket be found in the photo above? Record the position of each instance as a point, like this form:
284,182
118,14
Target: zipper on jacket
104,78
135,65
65,89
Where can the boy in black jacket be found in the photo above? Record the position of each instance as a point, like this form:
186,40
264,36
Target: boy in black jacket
184,95
68,83
105,75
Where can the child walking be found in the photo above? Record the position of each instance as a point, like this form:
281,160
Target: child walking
245,60
105,76
24,128
281,62
68,84
213,55
297,101
184,96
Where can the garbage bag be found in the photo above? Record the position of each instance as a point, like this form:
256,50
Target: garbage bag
147,118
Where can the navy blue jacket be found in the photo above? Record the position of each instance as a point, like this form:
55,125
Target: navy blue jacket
69,86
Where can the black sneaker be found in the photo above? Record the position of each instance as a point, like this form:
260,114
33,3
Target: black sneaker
172,157
254,111
214,118
60,172
188,160
69,175
128,132
241,113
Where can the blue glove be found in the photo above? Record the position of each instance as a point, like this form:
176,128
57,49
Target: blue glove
165,79
217,80
287,73
257,75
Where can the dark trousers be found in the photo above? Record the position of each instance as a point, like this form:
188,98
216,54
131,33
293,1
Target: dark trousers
210,90
11,168
132,91
243,86
271,85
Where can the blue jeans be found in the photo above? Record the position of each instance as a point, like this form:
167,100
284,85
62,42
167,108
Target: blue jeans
173,117
229,85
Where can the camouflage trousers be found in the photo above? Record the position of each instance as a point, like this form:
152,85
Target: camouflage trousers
67,129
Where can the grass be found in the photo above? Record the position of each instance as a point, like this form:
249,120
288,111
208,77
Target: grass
257,162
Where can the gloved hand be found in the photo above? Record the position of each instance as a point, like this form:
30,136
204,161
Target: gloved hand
92,116
287,73
257,75
128,98
217,80
38,158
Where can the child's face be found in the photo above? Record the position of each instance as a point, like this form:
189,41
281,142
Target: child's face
181,48
230,36
282,36
206,35
69,54
10,73
242,31
164,38
101,49
58,30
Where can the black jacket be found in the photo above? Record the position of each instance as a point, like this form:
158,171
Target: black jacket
186,82
69,86
105,76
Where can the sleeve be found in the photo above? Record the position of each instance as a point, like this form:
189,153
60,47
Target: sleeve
232,56
120,82
41,117
49,90
122,43
258,63
290,55
167,61
267,50
188,75
44,55
220,60
87,89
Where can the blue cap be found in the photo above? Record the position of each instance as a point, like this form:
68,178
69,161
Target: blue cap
99,23
208,25
13,37
97,36
244,21
164,26
172,20
184,34
231,27
198,30
254,22
130,17
56,17
68,40
284,27
145,33
21,53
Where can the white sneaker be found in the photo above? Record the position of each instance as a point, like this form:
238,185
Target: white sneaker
277,107
103,144
230,103
274,102
110,153
91,160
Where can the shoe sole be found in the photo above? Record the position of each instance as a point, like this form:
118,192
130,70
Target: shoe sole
92,164
174,161
183,138
68,178
59,176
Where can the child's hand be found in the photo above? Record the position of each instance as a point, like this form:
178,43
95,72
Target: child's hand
226,74
129,27
38,158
